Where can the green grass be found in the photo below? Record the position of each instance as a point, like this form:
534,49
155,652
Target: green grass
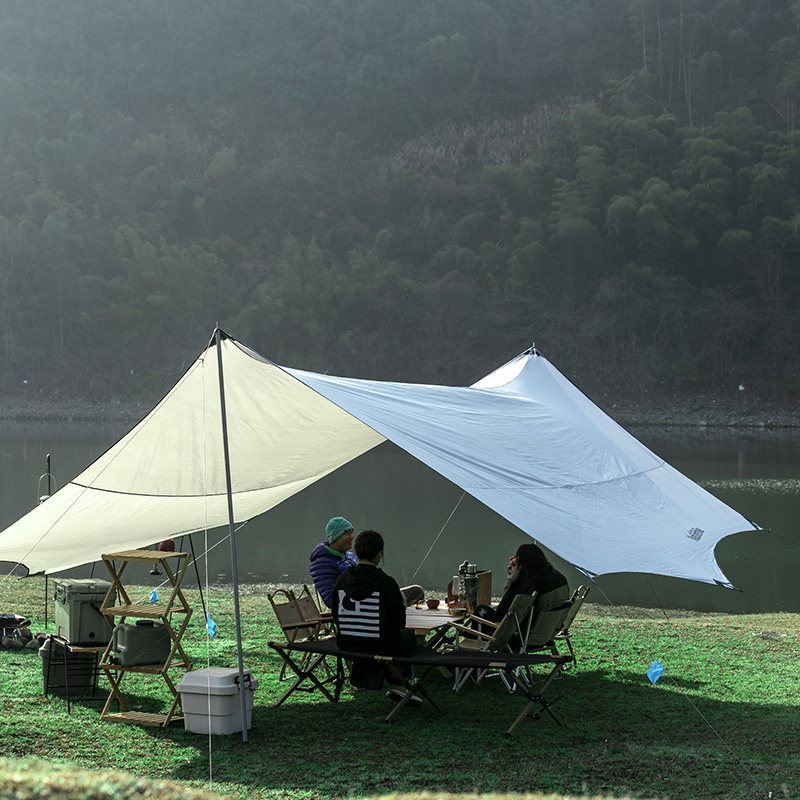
722,721
34,779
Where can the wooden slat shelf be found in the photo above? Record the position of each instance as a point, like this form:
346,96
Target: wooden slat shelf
143,556
141,718
143,610
153,669
174,604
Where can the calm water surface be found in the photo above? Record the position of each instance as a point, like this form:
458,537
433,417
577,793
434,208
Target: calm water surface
431,526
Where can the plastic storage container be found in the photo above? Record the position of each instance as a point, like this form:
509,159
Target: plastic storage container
82,670
211,701
78,617
145,642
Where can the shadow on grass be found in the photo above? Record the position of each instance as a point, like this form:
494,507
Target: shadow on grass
622,736
134,701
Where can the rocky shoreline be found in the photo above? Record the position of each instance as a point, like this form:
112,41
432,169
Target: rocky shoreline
706,413
15,410
699,412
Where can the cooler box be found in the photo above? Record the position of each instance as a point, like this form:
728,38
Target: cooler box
211,702
78,617
145,642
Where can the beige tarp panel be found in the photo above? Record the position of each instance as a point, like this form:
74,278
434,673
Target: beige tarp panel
167,476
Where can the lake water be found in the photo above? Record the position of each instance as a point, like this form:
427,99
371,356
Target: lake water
431,527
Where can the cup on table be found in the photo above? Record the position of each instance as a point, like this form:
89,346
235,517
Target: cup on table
432,602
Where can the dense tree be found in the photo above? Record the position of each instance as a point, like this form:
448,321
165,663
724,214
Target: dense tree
399,189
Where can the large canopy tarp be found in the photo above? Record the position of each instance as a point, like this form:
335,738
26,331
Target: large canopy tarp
523,440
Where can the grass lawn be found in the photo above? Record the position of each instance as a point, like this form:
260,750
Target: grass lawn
723,721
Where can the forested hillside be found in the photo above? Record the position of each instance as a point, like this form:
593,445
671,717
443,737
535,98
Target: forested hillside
408,190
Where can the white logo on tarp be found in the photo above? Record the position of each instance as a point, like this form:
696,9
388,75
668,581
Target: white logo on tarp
696,534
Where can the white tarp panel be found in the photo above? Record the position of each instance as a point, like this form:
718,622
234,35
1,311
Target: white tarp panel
523,440
528,444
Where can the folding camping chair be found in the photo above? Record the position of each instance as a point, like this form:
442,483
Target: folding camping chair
537,632
564,635
311,610
299,618
541,635
513,623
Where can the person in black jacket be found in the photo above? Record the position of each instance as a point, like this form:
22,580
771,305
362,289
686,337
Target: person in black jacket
370,613
529,571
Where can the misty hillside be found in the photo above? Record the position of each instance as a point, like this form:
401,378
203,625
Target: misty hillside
404,190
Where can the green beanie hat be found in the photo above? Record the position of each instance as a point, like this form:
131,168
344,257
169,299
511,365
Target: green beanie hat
336,528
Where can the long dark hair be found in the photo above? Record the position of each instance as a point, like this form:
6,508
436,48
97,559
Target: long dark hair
533,566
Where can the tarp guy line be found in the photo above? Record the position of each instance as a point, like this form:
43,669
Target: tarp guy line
438,535
686,697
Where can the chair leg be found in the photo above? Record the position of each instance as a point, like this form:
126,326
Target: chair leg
412,687
509,684
536,699
307,673
544,705
480,675
555,651
462,676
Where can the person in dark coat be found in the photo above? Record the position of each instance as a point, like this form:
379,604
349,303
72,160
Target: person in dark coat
370,613
529,571
331,558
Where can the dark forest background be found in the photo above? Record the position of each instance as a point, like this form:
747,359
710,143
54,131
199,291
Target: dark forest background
411,190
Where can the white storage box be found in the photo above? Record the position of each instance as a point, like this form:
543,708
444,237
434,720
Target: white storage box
211,702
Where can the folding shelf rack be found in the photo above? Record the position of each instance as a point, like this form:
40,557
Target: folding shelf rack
158,611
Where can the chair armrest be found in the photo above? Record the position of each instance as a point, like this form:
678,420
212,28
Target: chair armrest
483,621
470,631
480,620
307,623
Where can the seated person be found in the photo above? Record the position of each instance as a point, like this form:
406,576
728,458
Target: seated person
330,559
370,614
529,571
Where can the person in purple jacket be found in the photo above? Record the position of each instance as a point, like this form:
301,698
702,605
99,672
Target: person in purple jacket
330,559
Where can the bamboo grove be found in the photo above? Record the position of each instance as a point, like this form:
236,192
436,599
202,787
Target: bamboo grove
407,190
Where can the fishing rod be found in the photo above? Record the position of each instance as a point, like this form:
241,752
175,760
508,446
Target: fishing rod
40,498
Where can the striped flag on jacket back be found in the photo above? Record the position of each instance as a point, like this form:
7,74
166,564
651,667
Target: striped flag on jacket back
359,618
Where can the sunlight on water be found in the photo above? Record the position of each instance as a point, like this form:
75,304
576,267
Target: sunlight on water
790,486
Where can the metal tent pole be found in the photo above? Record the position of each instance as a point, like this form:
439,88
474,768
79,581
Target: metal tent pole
234,567
39,500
